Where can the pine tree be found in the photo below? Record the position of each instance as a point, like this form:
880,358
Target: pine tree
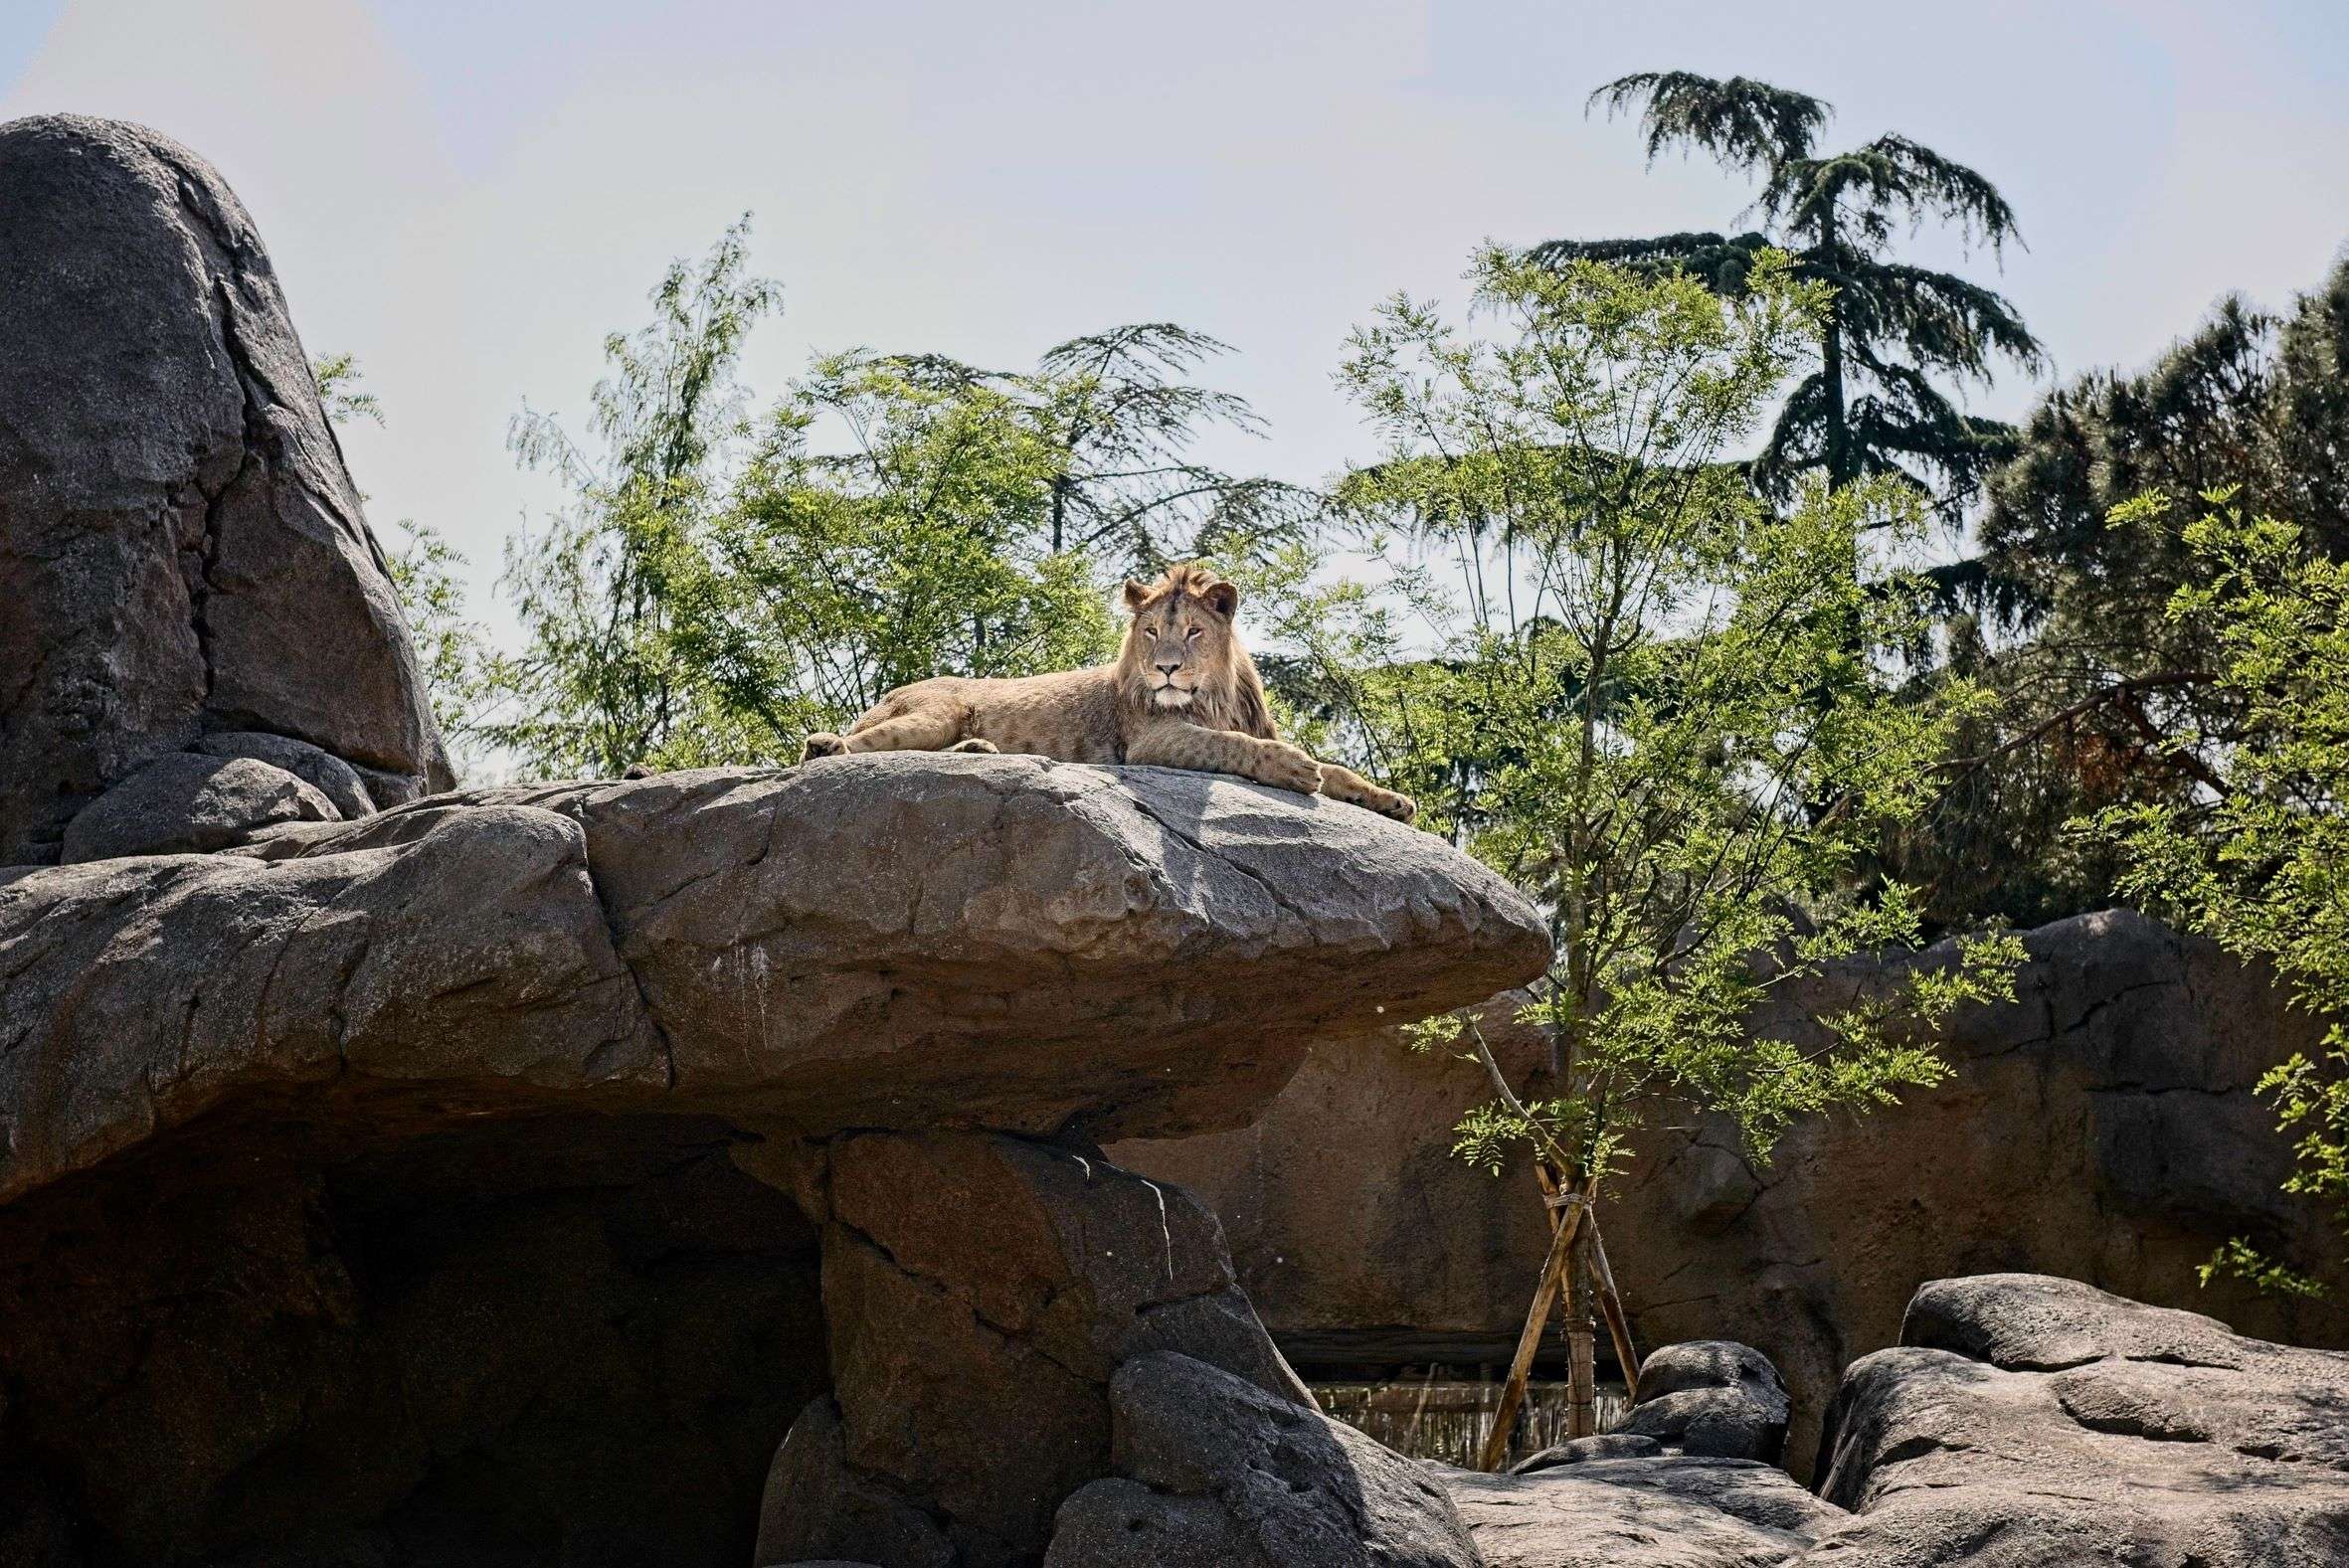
1871,408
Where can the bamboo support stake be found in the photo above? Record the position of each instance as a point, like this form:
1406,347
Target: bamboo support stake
1618,1322
1529,1339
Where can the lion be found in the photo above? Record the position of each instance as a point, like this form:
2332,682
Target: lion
1183,693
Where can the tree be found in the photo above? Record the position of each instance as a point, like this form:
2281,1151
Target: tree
920,546
1645,708
721,583
605,681
2063,600
464,675
1871,407
2260,863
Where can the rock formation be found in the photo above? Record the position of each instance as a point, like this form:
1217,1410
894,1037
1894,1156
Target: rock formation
707,1168
2022,1420
181,551
1689,1479
2101,1127
390,1190
2031,1420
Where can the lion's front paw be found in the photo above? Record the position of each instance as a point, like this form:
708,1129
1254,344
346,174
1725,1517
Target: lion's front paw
822,743
1399,806
1292,767
974,745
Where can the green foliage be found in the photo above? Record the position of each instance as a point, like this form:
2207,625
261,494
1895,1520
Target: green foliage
462,670
722,582
2237,1258
1871,408
338,377
1644,705
2064,602
607,593
2259,861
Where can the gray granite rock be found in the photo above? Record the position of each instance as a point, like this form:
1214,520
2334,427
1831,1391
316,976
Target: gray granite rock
2036,1419
981,1291
185,803
816,1503
1298,1487
181,549
1710,1397
322,769
1651,1512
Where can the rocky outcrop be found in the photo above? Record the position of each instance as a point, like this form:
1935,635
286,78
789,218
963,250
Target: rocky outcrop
299,1132
978,1284
2033,1420
186,802
875,941
1641,1511
1706,1398
1711,1398
1212,1468
2101,1127
181,549
1687,1480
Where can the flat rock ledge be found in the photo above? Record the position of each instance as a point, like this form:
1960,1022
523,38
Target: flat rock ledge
875,941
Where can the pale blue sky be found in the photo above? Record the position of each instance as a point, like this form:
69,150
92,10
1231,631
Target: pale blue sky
469,195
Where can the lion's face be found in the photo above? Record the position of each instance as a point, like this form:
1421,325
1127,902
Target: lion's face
1180,643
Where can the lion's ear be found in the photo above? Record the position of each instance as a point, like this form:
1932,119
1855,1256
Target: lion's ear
1222,598
1136,595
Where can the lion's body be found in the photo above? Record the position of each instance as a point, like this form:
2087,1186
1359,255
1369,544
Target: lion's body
1183,693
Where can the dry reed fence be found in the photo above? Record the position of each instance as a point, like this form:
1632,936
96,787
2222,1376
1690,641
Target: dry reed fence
1438,1415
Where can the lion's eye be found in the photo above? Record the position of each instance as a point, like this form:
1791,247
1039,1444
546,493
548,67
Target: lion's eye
1194,632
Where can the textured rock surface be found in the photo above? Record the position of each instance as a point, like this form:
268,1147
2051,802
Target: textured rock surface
181,549
878,942
1217,1460
978,1284
1665,1511
1711,1398
2102,1126
262,1112
185,803
1706,1398
2033,1420
322,770
815,1502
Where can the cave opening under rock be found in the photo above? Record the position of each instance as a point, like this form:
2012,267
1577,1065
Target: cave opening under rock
572,1338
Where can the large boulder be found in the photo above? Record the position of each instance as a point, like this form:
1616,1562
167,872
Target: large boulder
186,802
1640,1511
1711,1398
414,1190
981,1292
872,941
1212,1468
1706,1398
181,549
2103,1125
2034,1420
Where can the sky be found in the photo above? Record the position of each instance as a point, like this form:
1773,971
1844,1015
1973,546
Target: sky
469,194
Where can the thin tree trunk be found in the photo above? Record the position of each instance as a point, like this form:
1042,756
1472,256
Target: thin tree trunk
1581,1367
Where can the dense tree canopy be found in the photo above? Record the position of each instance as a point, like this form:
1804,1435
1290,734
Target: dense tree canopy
724,580
1872,406
2067,593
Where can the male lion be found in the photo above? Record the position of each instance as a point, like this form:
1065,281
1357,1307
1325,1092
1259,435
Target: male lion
1183,693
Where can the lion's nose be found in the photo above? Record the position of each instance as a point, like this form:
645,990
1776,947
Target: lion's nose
1169,666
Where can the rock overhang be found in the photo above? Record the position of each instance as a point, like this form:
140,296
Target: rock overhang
902,940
